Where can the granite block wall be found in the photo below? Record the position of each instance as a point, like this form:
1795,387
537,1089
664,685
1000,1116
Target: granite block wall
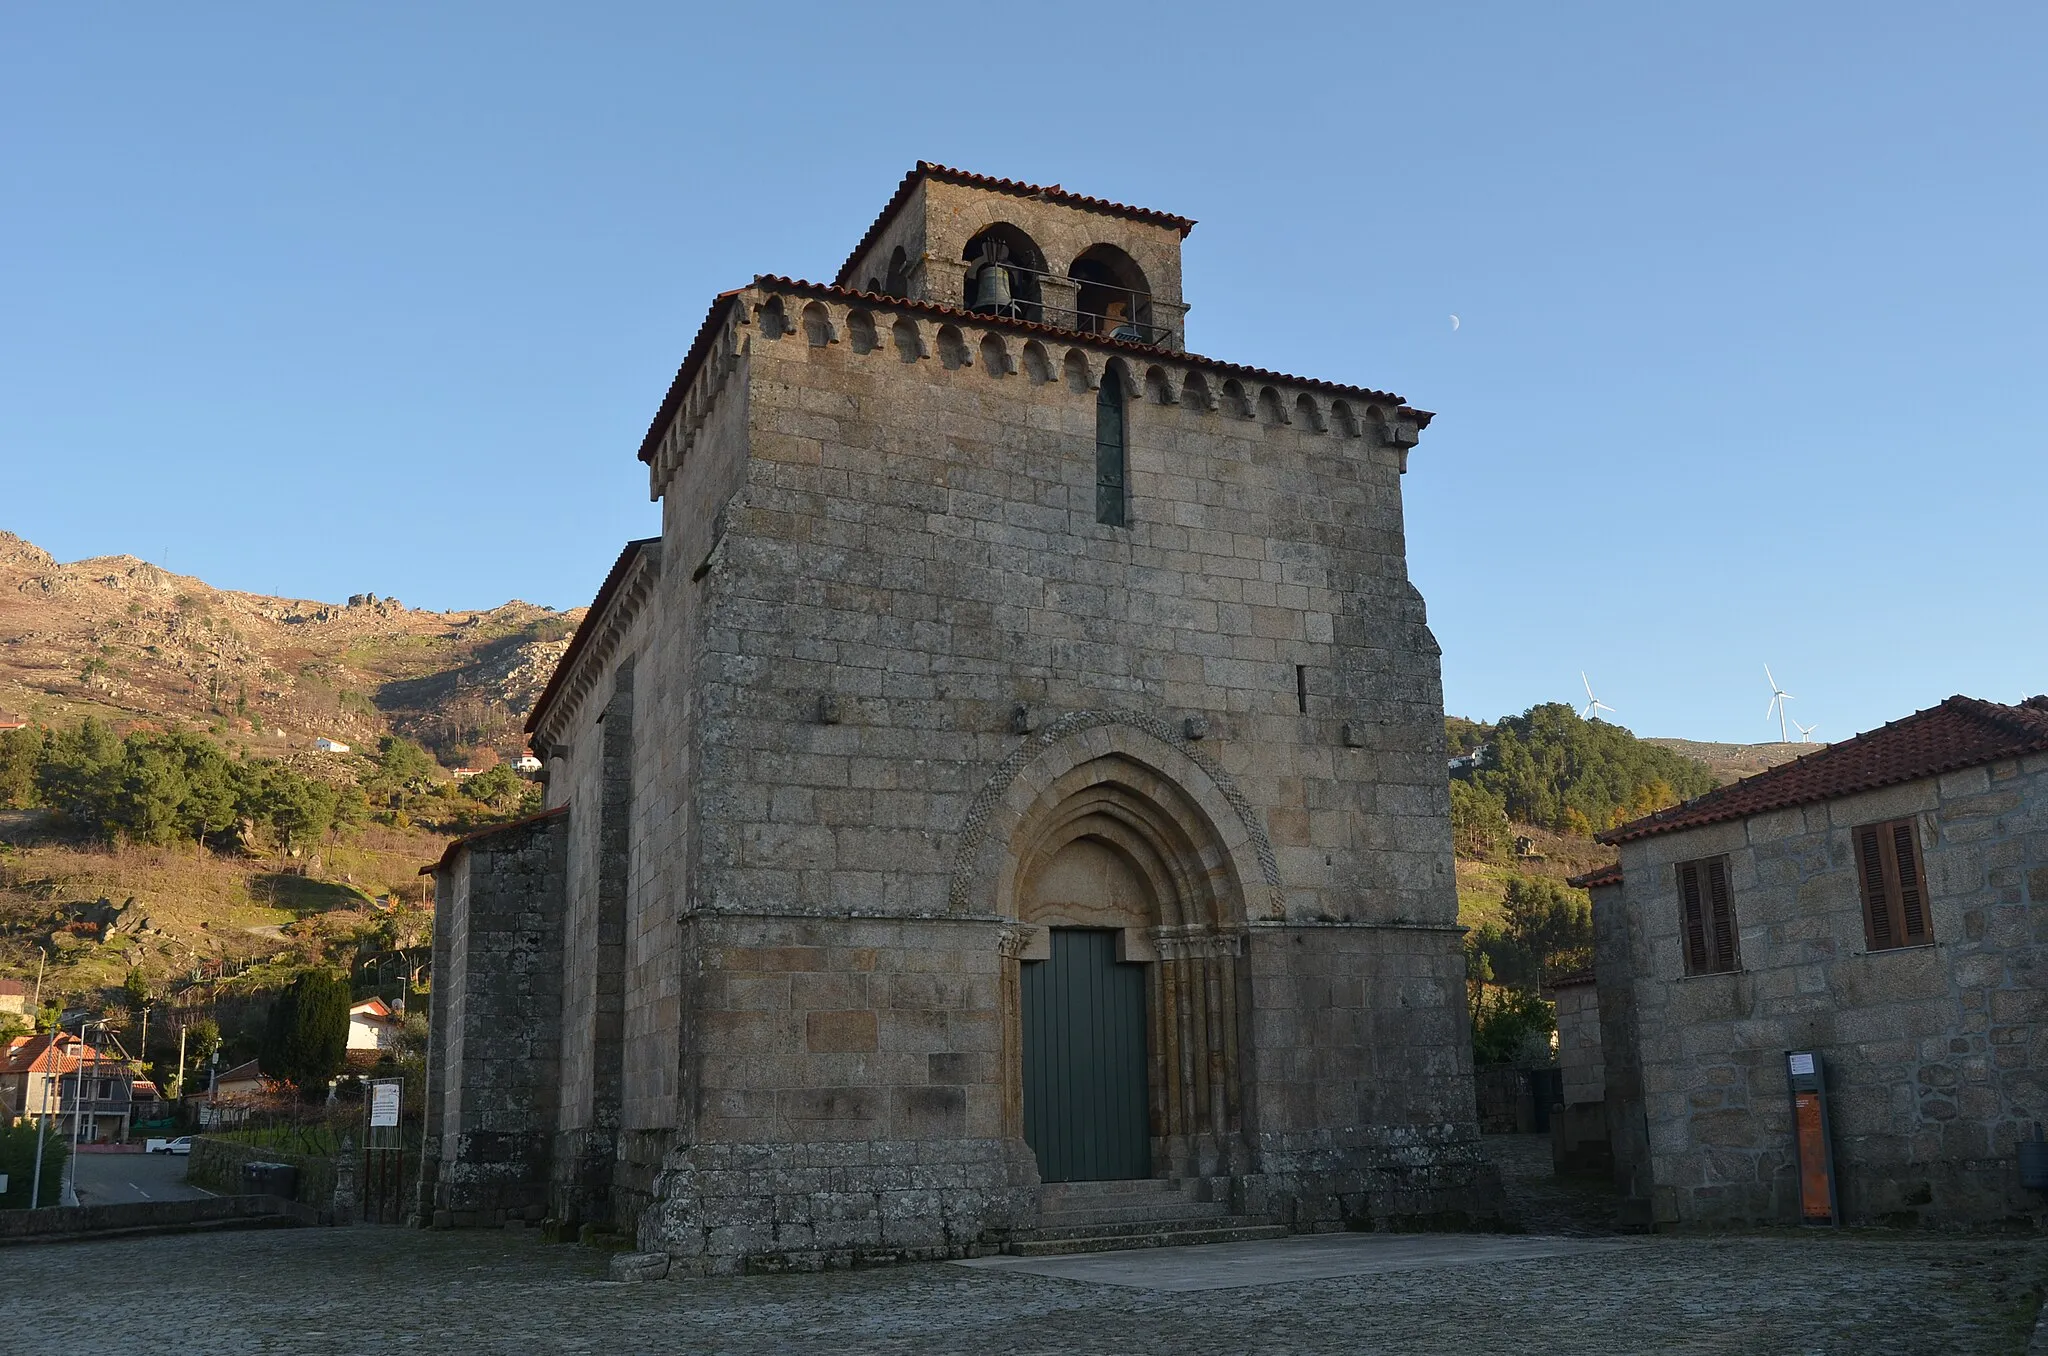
497,1025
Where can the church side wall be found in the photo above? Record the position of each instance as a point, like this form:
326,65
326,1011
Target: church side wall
500,1028
1933,1054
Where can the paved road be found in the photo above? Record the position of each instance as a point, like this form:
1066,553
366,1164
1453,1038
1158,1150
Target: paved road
107,1179
391,1290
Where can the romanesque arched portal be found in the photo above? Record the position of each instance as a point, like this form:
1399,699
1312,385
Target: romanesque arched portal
1107,853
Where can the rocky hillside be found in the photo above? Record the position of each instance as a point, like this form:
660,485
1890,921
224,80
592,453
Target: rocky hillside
118,637
1733,762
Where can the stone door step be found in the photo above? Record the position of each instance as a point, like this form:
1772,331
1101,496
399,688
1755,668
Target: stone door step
1114,1238
1054,1195
1169,1211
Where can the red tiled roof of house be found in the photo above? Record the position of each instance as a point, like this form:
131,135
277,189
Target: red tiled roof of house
1609,874
1961,732
246,1072
52,1052
925,169
700,350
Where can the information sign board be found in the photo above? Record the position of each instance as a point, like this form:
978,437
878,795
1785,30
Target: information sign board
383,1104
1812,1149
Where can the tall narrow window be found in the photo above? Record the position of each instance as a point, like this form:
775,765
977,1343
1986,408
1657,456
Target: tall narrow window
1894,885
1708,916
1109,450
1301,687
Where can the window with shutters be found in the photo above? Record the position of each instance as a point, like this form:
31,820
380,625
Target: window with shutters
1109,450
1707,917
1894,886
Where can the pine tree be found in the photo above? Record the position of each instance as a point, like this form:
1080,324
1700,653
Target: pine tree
306,1039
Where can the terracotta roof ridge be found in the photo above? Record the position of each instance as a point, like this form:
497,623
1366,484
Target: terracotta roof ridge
585,629
693,359
2021,721
927,169
1609,874
1152,351
1956,733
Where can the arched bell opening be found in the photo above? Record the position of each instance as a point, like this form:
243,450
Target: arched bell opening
1003,269
1113,297
1129,988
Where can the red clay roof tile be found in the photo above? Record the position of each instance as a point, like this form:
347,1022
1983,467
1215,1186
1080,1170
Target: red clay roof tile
1609,874
1961,732
592,619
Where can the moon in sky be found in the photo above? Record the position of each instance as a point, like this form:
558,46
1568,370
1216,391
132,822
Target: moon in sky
1454,322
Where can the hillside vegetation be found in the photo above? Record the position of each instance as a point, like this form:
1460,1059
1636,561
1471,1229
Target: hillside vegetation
172,840
1528,796
161,863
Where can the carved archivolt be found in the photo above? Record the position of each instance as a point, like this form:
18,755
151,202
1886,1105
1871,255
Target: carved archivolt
984,862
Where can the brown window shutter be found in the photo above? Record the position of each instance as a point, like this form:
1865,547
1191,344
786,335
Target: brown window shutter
1720,915
1695,918
1910,886
1877,913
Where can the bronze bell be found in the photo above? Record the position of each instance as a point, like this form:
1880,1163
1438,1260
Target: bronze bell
992,288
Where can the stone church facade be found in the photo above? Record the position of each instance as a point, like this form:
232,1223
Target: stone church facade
1017,762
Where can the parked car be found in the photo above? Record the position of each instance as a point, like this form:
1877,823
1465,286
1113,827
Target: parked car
181,1145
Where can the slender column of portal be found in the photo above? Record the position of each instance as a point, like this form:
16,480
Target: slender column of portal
1170,1055
1212,995
1160,1023
1197,1018
1233,1121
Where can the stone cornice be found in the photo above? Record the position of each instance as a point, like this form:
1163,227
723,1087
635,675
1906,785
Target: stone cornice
613,613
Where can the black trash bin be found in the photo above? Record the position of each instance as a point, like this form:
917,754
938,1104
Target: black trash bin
270,1179
1546,1090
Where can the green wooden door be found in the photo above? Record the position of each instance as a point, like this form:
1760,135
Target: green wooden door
1084,1061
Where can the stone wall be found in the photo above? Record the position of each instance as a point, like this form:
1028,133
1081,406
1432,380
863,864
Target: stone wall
492,1090
1578,1041
1935,1054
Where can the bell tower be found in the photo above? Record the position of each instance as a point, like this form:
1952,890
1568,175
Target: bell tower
1027,252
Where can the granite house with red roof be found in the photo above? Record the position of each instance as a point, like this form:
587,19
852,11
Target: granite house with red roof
1882,903
1006,798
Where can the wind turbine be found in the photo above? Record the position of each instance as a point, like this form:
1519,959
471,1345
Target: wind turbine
1806,731
1593,703
1779,696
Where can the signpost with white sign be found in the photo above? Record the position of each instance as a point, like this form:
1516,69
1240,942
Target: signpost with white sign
384,1153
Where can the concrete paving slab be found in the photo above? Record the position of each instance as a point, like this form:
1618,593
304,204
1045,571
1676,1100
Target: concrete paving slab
1284,1261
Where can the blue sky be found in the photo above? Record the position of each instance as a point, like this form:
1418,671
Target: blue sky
318,300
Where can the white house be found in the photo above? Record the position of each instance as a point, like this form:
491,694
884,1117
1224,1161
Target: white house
330,746
373,1025
526,762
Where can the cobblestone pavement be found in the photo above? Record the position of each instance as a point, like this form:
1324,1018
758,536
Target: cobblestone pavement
1543,1203
343,1290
